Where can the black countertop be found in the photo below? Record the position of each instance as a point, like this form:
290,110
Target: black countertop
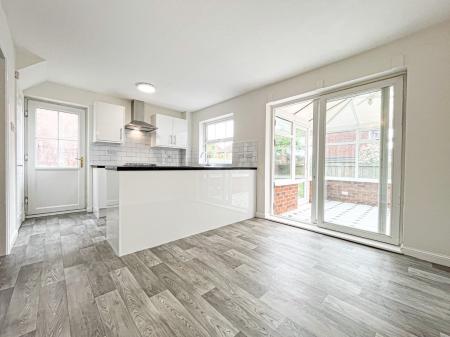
176,168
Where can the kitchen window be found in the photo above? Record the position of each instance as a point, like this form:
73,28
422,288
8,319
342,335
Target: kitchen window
217,140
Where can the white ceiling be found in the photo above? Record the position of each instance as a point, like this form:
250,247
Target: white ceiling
200,52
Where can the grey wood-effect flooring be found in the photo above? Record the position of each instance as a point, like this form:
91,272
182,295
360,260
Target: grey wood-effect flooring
253,278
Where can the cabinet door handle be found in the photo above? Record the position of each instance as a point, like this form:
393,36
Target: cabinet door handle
121,133
175,139
170,139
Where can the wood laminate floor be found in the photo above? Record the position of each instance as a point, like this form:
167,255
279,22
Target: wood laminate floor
253,278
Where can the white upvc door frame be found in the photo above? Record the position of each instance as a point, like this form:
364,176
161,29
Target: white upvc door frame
394,237
30,104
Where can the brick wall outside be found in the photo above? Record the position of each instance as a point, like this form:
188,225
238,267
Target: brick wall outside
357,192
354,191
285,198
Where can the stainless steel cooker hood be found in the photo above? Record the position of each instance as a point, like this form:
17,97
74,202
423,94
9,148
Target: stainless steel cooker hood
137,118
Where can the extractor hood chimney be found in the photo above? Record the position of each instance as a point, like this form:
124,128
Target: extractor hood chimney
137,118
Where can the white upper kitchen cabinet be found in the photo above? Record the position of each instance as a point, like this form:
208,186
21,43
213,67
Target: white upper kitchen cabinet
109,121
180,132
171,132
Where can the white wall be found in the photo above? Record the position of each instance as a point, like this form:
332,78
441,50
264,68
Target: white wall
7,144
70,95
64,93
426,211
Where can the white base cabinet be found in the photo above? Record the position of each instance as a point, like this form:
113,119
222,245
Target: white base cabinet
172,132
102,197
155,207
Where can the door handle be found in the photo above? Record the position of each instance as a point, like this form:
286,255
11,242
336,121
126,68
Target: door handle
81,159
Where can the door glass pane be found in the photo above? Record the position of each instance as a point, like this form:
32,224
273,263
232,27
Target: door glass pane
390,153
283,144
68,126
46,152
369,160
300,152
56,139
46,123
68,153
353,148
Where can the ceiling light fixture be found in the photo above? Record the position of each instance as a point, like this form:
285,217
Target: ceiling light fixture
148,88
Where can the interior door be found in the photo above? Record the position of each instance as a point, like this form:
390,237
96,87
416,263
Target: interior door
359,160
55,158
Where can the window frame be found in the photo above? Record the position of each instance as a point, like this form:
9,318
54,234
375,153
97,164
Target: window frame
203,139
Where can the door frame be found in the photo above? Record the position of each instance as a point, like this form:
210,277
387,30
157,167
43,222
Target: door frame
394,237
84,137
396,75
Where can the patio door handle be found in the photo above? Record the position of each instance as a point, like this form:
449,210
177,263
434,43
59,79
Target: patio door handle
81,159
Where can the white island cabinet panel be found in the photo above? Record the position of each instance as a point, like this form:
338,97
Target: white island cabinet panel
156,207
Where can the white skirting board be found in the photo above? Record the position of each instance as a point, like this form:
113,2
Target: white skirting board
427,256
420,254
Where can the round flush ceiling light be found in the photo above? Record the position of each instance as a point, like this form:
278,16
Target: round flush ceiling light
148,88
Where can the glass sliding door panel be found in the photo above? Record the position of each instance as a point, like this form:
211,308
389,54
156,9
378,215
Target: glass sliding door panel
356,190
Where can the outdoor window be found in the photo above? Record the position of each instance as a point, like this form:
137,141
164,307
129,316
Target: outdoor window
291,147
217,146
57,139
283,148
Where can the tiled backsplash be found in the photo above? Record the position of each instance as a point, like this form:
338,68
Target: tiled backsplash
135,149
244,154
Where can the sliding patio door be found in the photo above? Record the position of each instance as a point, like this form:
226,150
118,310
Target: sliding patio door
337,160
359,160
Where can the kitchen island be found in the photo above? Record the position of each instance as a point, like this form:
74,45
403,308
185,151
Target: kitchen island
160,204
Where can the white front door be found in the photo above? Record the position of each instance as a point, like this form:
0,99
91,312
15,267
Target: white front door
55,164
